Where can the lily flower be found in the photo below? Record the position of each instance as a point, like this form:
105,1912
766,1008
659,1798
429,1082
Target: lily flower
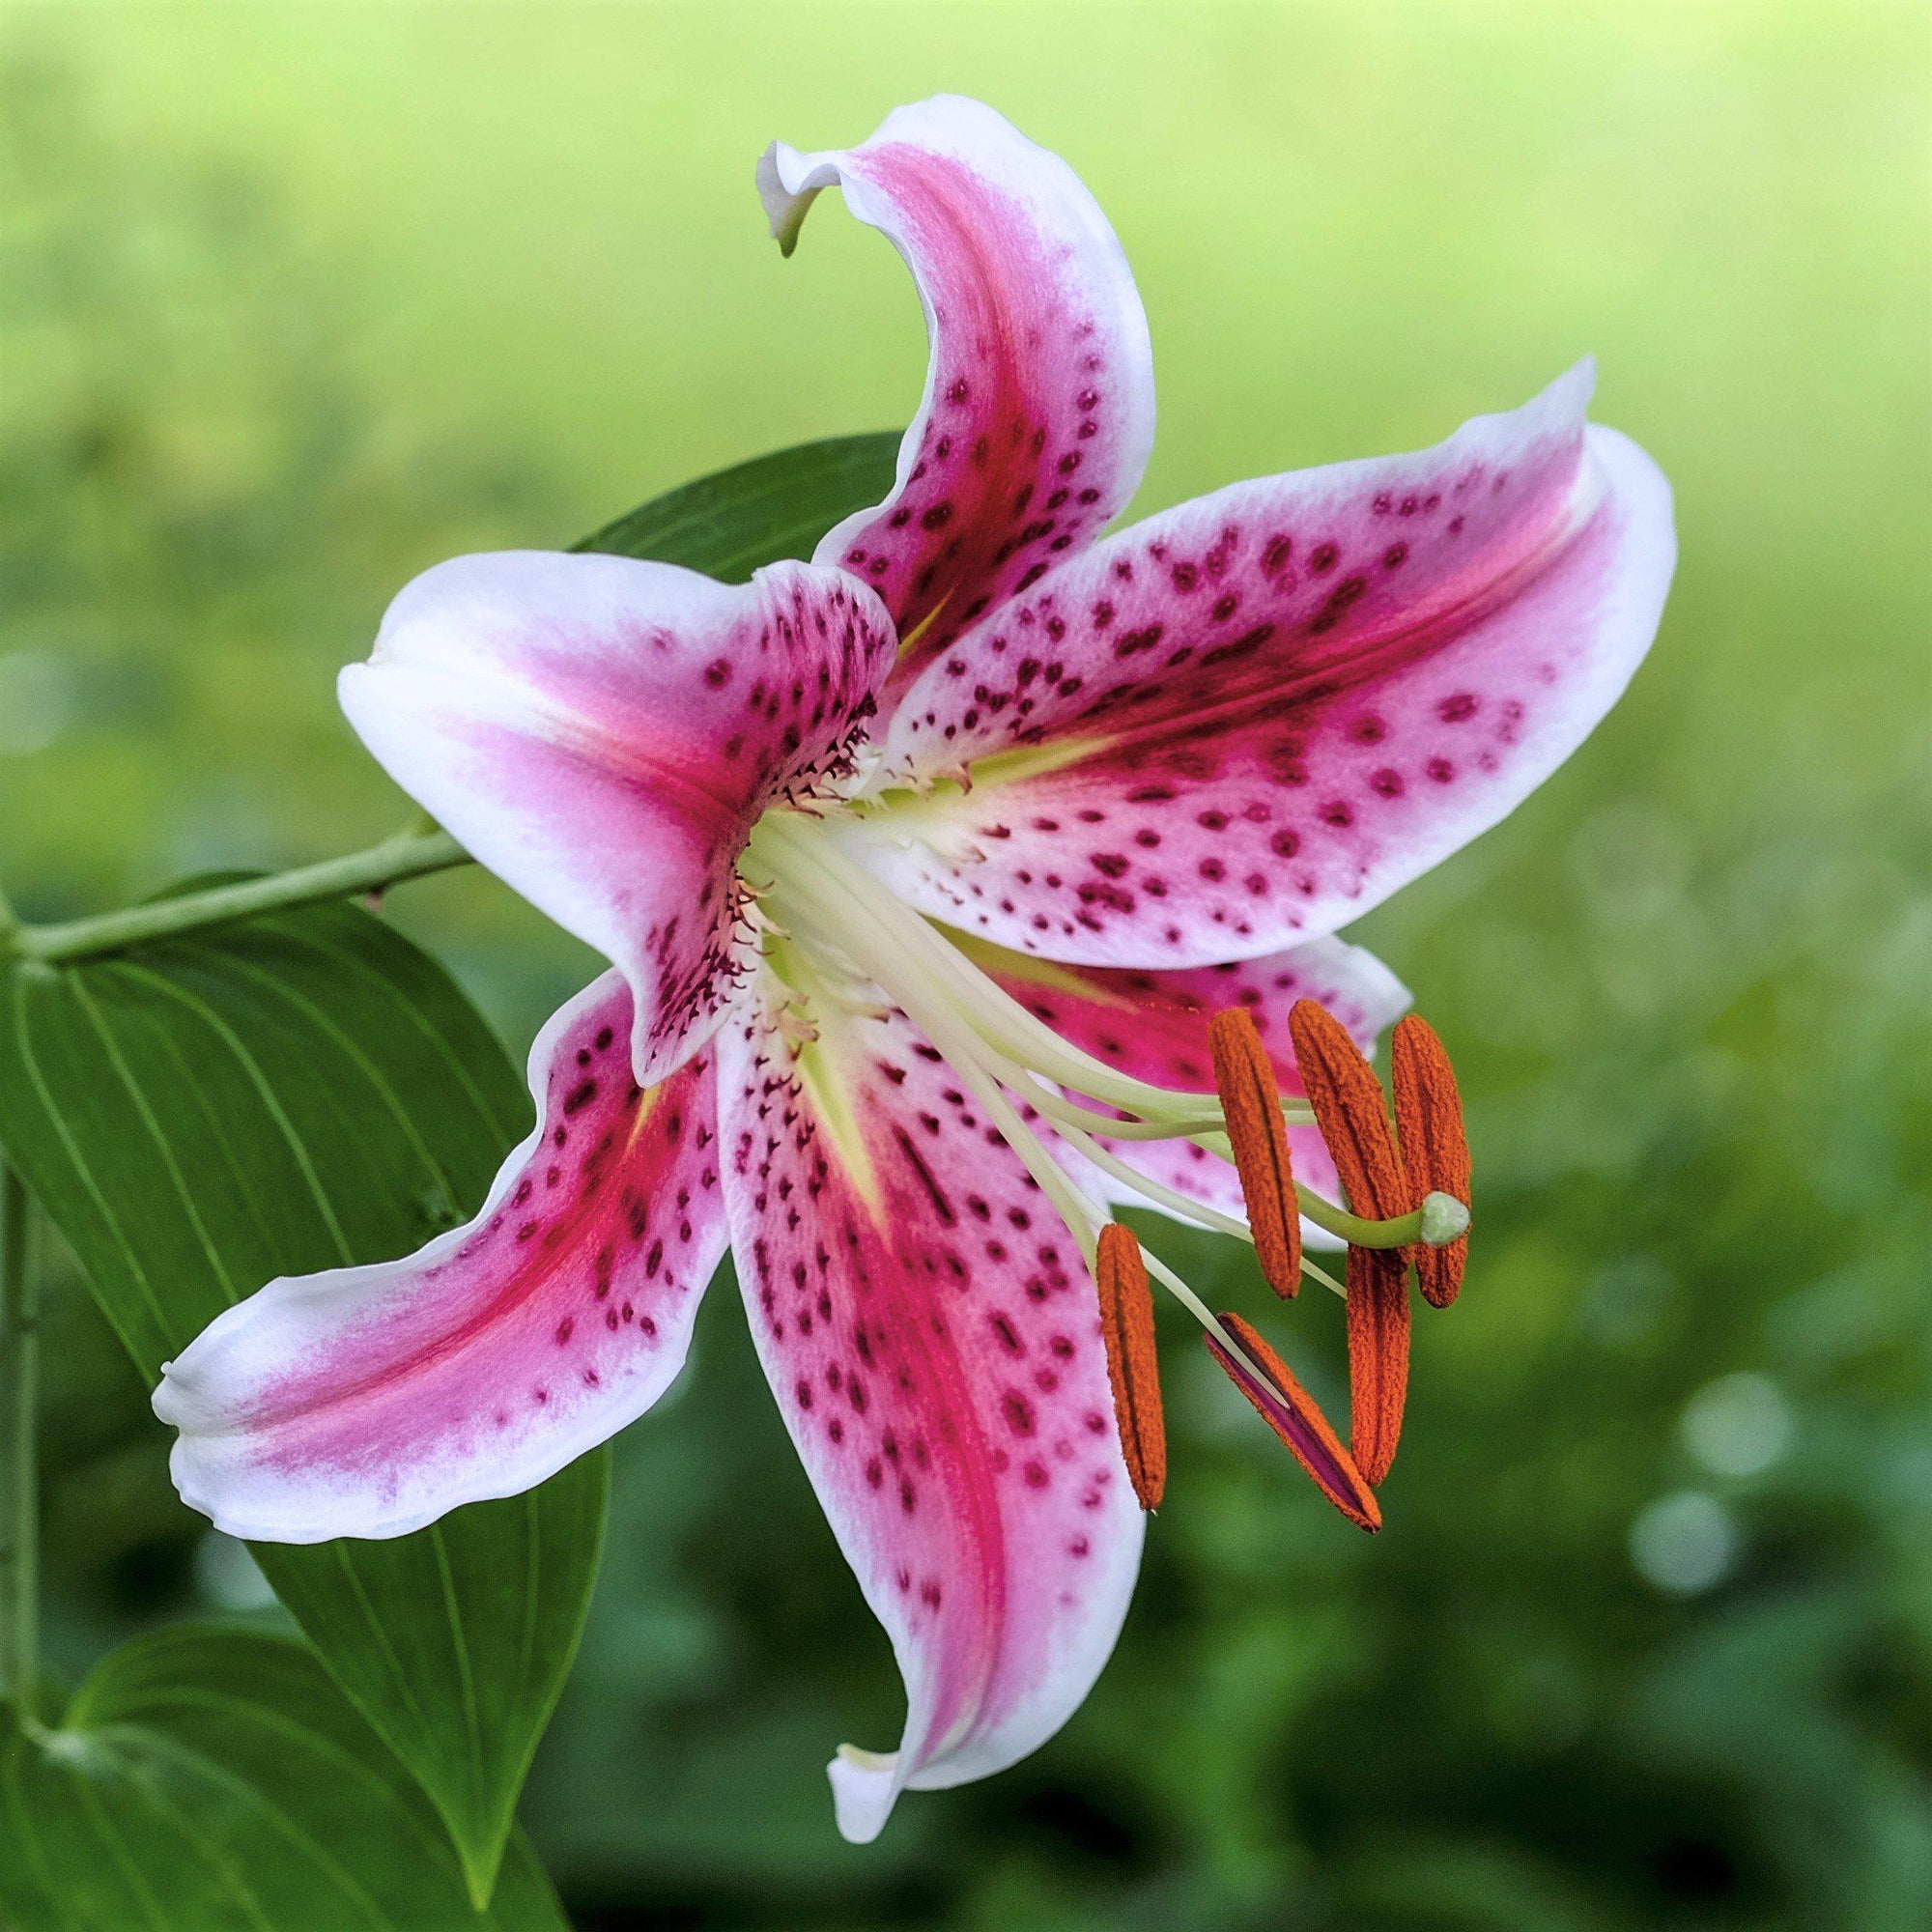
923,869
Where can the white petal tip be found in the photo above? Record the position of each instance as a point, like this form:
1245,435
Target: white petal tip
174,1397
865,1787
782,178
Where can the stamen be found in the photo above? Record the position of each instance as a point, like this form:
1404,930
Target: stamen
1293,1413
1183,1207
1435,1150
1352,1112
1127,1325
1378,1322
838,913
1058,1108
1353,1115
1251,1102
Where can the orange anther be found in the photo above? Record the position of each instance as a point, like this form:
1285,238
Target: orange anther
1251,1103
1127,1325
1292,1413
1434,1151
1378,1284
1353,1114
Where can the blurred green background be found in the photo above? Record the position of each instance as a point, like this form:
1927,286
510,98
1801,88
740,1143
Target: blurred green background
296,301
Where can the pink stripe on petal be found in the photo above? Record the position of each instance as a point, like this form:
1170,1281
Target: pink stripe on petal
1243,723
933,1340
1154,1026
601,733
1037,414
370,1400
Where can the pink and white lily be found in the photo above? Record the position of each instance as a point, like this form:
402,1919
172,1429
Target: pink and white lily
921,868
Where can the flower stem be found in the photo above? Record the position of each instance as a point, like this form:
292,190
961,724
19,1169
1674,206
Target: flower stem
19,1500
407,854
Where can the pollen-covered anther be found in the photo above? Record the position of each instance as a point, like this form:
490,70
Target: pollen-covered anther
1295,1417
1352,1113
1257,1138
1434,1151
1378,1323
1127,1325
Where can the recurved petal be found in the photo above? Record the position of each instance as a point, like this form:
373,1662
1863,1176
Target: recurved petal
1246,720
933,1340
601,733
1037,414
1154,1026
370,1400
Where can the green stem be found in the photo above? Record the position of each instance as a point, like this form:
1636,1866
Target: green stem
409,855
19,1512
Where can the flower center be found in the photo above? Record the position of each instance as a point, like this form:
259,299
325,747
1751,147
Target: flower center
854,935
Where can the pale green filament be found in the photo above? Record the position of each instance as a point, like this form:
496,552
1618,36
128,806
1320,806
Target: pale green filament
788,846
895,946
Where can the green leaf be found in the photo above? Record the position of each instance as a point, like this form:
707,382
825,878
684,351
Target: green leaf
217,1781
730,523
296,1093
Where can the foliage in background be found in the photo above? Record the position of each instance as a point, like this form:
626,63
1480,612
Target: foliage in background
1649,1639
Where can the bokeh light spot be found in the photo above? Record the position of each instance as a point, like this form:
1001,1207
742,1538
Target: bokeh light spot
1738,1426
1685,1542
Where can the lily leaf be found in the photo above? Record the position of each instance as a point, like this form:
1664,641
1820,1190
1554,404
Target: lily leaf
294,1093
730,523
218,1781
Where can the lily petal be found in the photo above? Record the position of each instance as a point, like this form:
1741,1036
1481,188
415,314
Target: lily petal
1037,414
933,1340
1243,723
601,733
1154,1026
370,1400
